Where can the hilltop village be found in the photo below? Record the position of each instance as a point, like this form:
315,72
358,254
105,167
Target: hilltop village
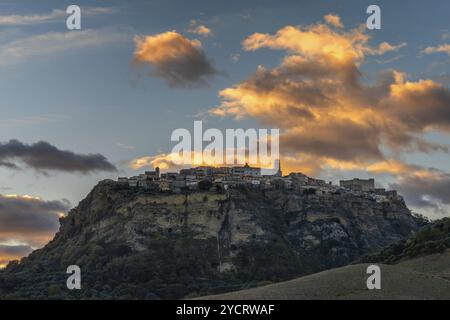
225,178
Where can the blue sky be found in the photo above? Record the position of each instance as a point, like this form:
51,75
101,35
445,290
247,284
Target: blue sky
84,94
90,99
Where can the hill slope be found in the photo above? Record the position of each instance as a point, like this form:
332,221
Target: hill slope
133,243
401,281
419,268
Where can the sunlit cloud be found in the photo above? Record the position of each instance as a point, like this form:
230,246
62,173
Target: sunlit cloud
180,61
334,20
199,29
329,117
444,48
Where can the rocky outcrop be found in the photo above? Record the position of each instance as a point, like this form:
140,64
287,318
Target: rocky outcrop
134,243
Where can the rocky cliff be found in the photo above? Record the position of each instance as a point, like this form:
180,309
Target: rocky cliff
132,243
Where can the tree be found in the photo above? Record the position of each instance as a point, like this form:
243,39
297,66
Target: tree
205,185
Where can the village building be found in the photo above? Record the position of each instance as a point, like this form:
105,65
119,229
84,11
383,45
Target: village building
246,170
164,185
224,178
169,175
153,175
123,180
358,184
133,181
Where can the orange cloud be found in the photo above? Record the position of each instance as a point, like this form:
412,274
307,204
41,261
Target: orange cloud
199,29
441,48
175,58
326,112
385,47
334,20
315,40
163,161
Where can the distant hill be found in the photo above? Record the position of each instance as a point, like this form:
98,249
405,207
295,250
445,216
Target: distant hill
135,243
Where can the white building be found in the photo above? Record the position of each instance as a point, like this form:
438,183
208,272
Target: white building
246,171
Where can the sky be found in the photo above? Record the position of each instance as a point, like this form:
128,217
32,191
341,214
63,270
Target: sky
79,106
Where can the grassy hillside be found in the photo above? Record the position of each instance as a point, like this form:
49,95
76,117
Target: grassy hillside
435,264
416,268
422,278
434,238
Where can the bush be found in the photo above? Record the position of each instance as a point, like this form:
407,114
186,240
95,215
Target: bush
205,185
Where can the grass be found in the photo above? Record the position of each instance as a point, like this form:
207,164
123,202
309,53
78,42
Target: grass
425,278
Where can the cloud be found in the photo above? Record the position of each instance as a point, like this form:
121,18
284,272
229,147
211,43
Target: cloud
427,189
43,156
334,20
125,146
418,106
386,47
32,119
49,43
174,161
386,61
235,57
163,161
174,58
441,48
13,252
328,115
54,15
199,29
340,140
27,223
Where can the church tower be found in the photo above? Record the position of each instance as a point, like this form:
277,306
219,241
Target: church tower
279,172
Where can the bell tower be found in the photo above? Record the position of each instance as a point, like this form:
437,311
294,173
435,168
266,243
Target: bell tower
279,172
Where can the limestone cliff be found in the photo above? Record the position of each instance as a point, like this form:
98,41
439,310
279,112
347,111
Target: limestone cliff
131,243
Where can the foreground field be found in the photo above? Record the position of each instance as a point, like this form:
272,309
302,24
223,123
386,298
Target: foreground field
421,278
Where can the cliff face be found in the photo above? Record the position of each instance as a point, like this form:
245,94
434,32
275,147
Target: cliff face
131,243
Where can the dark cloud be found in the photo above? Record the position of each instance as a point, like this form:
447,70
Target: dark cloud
341,140
28,219
175,58
13,252
46,157
30,222
419,105
19,250
425,190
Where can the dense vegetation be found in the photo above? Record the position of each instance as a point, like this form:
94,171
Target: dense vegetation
434,238
170,269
